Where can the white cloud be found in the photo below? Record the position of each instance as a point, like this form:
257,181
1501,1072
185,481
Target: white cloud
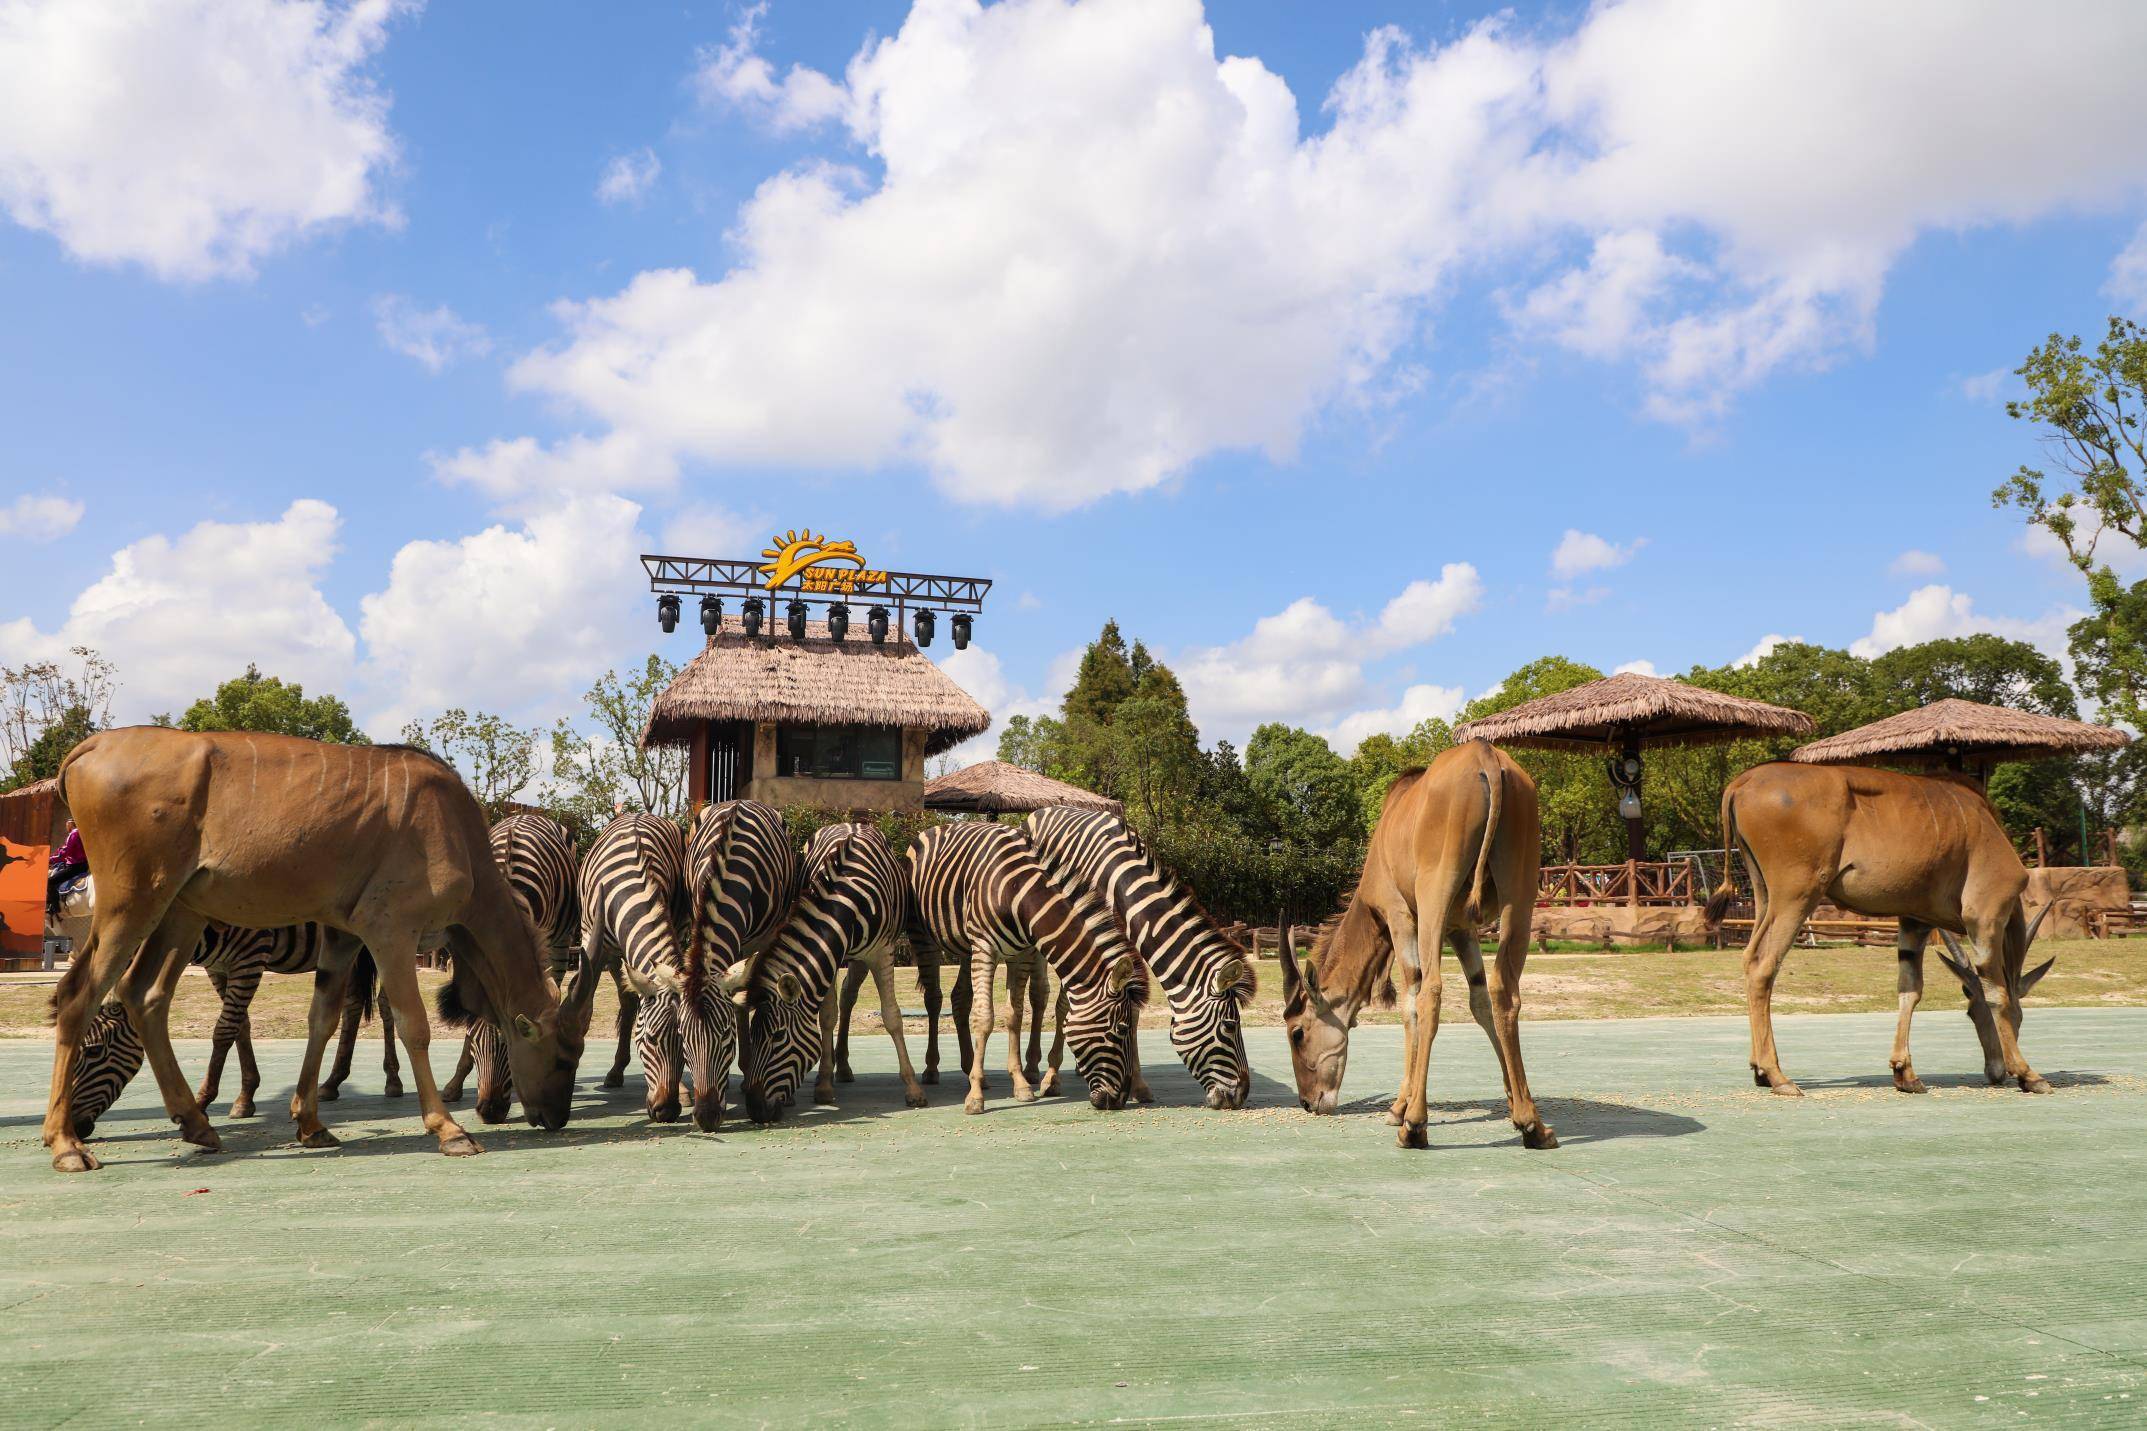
704,530
1985,387
434,337
1917,563
1599,310
520,471
979,672
1763,648
733,76
508,616
628,178
2127,283
1418,704
1580,552
178,615
1566,598
1305,665
1637,668
39,519
1937,611
194,137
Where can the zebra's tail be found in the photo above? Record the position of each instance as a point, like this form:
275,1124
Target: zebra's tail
1494,788
694,976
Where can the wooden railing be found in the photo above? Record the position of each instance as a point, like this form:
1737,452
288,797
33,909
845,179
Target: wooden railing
1635,882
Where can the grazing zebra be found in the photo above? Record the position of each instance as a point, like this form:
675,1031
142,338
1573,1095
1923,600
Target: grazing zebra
979,888
633,894
744,876
1205,976
235,960
854,905
536,854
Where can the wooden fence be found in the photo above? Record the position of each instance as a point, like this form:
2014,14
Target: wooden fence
1633,883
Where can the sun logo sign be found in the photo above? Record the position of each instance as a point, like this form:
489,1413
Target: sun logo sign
812,560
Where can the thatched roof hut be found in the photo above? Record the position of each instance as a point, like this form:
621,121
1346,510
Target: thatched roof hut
1959,734
816,681
1632,709
993,787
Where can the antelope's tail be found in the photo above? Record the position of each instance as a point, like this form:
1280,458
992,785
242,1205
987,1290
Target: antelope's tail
1718,903
1494,789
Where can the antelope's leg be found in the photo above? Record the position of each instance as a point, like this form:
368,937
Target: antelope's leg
2002,970
1908,983
330,985
1406,989
883,978
928,985
1019,973
853,978
1504,1026
1416,1111
147,992
397,960
1772,934
983,964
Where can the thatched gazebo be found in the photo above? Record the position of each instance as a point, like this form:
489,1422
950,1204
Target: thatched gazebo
1960,735
1621,715
993,787
843,724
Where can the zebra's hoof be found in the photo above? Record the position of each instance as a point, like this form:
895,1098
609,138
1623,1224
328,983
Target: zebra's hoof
329,1092
613,1080
930,1075
824,1097
462,1145
394,1089
319,1138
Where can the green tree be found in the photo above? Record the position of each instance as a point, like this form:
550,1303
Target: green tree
42,760
1310,794
1984,668
595,772
1034,743
257,702
1153,751
1381,759
1105,678
2091,412
496,758
47,708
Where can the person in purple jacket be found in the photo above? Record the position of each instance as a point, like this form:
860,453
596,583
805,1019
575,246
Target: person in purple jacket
67,861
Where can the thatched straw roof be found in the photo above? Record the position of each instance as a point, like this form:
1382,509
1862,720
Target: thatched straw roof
1650,709
993,787
1968,732
815,682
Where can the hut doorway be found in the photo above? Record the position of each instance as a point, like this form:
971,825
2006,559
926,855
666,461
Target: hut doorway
730,760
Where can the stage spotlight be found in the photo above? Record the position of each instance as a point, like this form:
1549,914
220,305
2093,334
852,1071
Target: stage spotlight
923,626
876,624
667,613
750,614
711,614
797,621
961,631
838,620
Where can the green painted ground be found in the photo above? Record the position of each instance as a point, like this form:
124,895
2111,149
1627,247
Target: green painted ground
1697,1253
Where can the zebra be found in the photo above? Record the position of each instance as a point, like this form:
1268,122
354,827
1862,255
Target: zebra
633,897
235,960
854,905
744,877
536,854
1206,977
979,887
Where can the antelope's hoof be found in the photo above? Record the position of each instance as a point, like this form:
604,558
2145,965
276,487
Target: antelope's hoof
1394,1117
613,1079
329,1092
319,1138
394,1089
242,1108
2036,1083
1786,1089
916,1099
1033,1074
1413,1135
451,1093
1759,1077
1538,1135
1049,1088
75,1160
462,1145
1906,1081
974,1103
824,1097
843,1075
203,1137
930,1075
1024,1095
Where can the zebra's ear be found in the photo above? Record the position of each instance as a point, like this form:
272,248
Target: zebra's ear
1121,974
733,979
1227,977
787,987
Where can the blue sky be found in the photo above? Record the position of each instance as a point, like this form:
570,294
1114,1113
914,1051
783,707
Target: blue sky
1297,338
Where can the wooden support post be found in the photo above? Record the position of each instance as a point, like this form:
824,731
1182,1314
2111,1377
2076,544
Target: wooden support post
697,767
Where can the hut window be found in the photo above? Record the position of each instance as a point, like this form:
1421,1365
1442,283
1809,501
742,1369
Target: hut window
839,752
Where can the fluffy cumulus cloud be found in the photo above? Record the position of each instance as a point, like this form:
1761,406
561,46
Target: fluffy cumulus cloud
34,518
1053,251
193,137
431,337
628,178
1935,611
1763,648
179,614
1918,563
1636,668
1581,554
1305,665
1418,704
2127,283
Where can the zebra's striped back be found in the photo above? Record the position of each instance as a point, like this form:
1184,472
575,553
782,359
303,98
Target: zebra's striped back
1205,976
632,889
745,876
978,881
854,898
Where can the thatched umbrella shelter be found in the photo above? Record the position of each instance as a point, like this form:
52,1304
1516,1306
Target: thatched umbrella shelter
1960,735
1624,714
993,787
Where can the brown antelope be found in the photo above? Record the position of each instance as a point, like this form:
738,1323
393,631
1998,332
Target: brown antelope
1446,831
1926,848
381,843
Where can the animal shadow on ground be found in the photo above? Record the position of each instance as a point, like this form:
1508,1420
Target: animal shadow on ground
1578,1120
1975,1080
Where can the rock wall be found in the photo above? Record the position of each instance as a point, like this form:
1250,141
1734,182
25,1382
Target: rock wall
1610,924
2078,893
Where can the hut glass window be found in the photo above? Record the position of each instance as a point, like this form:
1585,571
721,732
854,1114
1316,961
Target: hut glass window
839,752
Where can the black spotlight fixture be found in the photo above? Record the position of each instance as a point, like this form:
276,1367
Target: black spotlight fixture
961,631
797,621
749,613
667,613
876,624
711,614
838,620
924,625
